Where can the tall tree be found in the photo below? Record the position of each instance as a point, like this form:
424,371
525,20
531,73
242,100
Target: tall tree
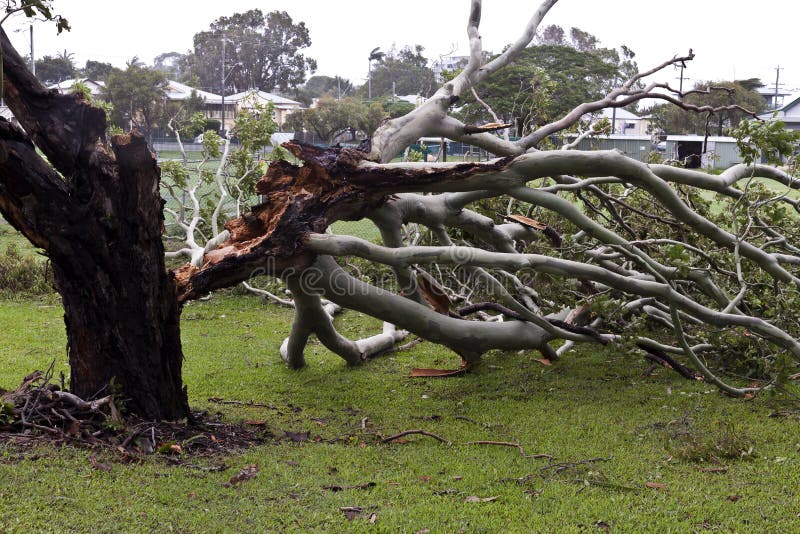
545,82
138,95
734,96
332,117
318,85
97,70
402,72
95,210
55,69
261,52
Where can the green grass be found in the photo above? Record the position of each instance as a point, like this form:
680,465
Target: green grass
592,404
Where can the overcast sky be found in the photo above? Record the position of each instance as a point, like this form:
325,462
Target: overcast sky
731,39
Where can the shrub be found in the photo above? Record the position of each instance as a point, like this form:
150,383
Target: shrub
23,275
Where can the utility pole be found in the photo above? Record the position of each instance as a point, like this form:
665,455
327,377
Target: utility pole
222,123
778,70
33,61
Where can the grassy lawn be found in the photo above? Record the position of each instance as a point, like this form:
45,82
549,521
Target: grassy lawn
610,432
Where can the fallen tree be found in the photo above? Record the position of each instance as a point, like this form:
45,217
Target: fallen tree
618,247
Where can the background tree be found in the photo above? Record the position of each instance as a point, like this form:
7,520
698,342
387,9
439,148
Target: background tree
733,95
97,70
55,69
261,52
402,72
545,82
138,94
332,117
319,85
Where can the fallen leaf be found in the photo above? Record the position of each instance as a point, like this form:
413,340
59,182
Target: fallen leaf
434,294
256,422
655,485
475,498
249,471
351,512
733,498
458,478
525,221
192,495
373,518
175,449
423,531
544,361
425,478
74,428
714,469
602,525
99,465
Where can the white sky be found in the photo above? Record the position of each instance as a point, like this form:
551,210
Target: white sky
730,38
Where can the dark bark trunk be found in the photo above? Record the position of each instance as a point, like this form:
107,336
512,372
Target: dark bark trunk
99,221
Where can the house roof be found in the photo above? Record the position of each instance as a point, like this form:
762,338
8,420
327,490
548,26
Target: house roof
782,113
95,86
178,91
277,100
621,114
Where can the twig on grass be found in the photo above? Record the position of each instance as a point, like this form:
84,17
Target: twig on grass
409,432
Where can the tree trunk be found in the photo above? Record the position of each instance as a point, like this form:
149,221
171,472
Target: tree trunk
98,217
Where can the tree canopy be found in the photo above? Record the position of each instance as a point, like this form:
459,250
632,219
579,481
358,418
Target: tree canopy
674,120
138,96
262,51
55,69
402,71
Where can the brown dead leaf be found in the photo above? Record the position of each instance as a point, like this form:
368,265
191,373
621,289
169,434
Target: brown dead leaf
74,428
434,295
191,496
249,471
373,518
175,449
425,478
351,512
475,498
526,221
655,485
733,498
98,464
458,478
256,422
423,531
714,469
544,361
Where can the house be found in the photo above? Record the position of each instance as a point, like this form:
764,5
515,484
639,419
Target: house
625,122
248,100
178,92
789,113
95,86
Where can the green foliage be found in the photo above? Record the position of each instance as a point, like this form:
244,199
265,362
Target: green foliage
55,69
22,274
401,72
545,82
36,9
332,118
769,139
318,86
97,70
266,50
138,95
671,119
721,442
